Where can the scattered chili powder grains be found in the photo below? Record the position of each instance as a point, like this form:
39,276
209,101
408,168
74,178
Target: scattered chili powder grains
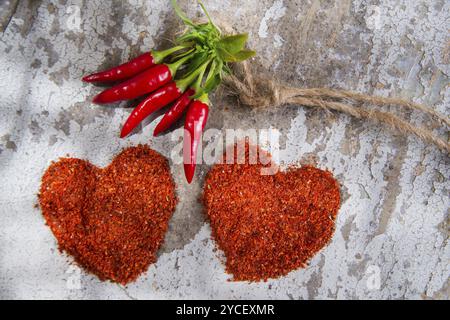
111,220
269,225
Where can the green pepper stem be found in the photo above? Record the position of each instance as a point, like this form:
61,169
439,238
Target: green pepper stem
198,73
204,98
211,70
159,56
208,16
183,54
198,83
173,67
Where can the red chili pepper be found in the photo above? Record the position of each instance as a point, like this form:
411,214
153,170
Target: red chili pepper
159,99
145,82
124,71
132,67
174,113
195,122
152,103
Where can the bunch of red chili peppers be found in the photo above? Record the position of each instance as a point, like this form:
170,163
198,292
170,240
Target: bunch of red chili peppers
183,75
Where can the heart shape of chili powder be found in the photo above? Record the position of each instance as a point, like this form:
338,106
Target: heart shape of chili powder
111,220
269,225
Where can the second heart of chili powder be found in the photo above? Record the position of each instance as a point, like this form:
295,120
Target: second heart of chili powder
111,220
269,225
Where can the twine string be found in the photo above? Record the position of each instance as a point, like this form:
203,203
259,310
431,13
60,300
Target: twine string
260,92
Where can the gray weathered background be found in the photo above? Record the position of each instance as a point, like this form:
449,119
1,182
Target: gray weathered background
391,239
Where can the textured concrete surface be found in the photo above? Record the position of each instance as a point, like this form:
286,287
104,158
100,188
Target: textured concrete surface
391,239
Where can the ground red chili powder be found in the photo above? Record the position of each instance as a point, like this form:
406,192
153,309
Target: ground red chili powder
269,225
111,220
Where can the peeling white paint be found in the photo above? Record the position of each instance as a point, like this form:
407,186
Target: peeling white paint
277,41
275,12
373,21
